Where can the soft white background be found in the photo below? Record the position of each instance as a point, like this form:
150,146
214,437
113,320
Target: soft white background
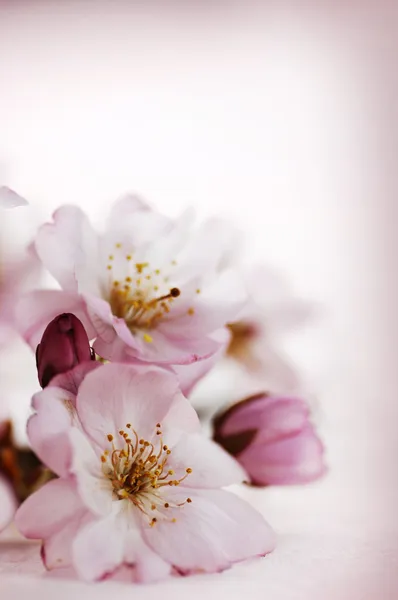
272,115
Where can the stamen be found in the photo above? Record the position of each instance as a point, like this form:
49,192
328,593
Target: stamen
138,472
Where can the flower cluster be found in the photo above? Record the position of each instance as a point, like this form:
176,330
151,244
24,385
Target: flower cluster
125,484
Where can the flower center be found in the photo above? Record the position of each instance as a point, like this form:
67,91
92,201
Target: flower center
142,297
243,334
139,473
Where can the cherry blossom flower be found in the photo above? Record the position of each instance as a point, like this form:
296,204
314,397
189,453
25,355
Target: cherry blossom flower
139,487
147,289
63,346
273,439
254,359
10,199
271,313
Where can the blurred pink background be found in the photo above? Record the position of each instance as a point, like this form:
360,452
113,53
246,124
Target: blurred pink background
281,117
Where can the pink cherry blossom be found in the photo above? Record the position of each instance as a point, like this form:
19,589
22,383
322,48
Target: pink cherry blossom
10,199
139,487
148,289
271,313
273,439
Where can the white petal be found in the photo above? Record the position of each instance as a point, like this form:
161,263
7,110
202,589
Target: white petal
99,546
48,428
211,466
213,531
94,488
10,199
116,395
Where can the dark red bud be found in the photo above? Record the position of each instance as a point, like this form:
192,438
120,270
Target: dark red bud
63,346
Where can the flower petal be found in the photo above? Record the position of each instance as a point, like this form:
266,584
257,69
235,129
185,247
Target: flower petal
10,199
46,511
98,548
68,248
117,394
56,550
71,380
215,530
190,375
291,460
35,310
148,565
48,428
272,417
94,488
130,215
211,466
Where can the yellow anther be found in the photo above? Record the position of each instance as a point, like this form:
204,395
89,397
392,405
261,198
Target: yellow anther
147,338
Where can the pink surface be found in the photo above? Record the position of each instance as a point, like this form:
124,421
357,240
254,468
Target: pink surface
306,566
332,544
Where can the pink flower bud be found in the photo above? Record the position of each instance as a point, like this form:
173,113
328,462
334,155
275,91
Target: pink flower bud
63,346
273,439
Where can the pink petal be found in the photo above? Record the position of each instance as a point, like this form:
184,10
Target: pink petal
117,394
131,216
68,248
181,417
71,380
215,530
217,304
98,548
101,317
211,466
168,348
49,509
35,310
148,565
291,460
48,428
8,503
272,417
94,488
207,249
57,549
10,199
190,375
